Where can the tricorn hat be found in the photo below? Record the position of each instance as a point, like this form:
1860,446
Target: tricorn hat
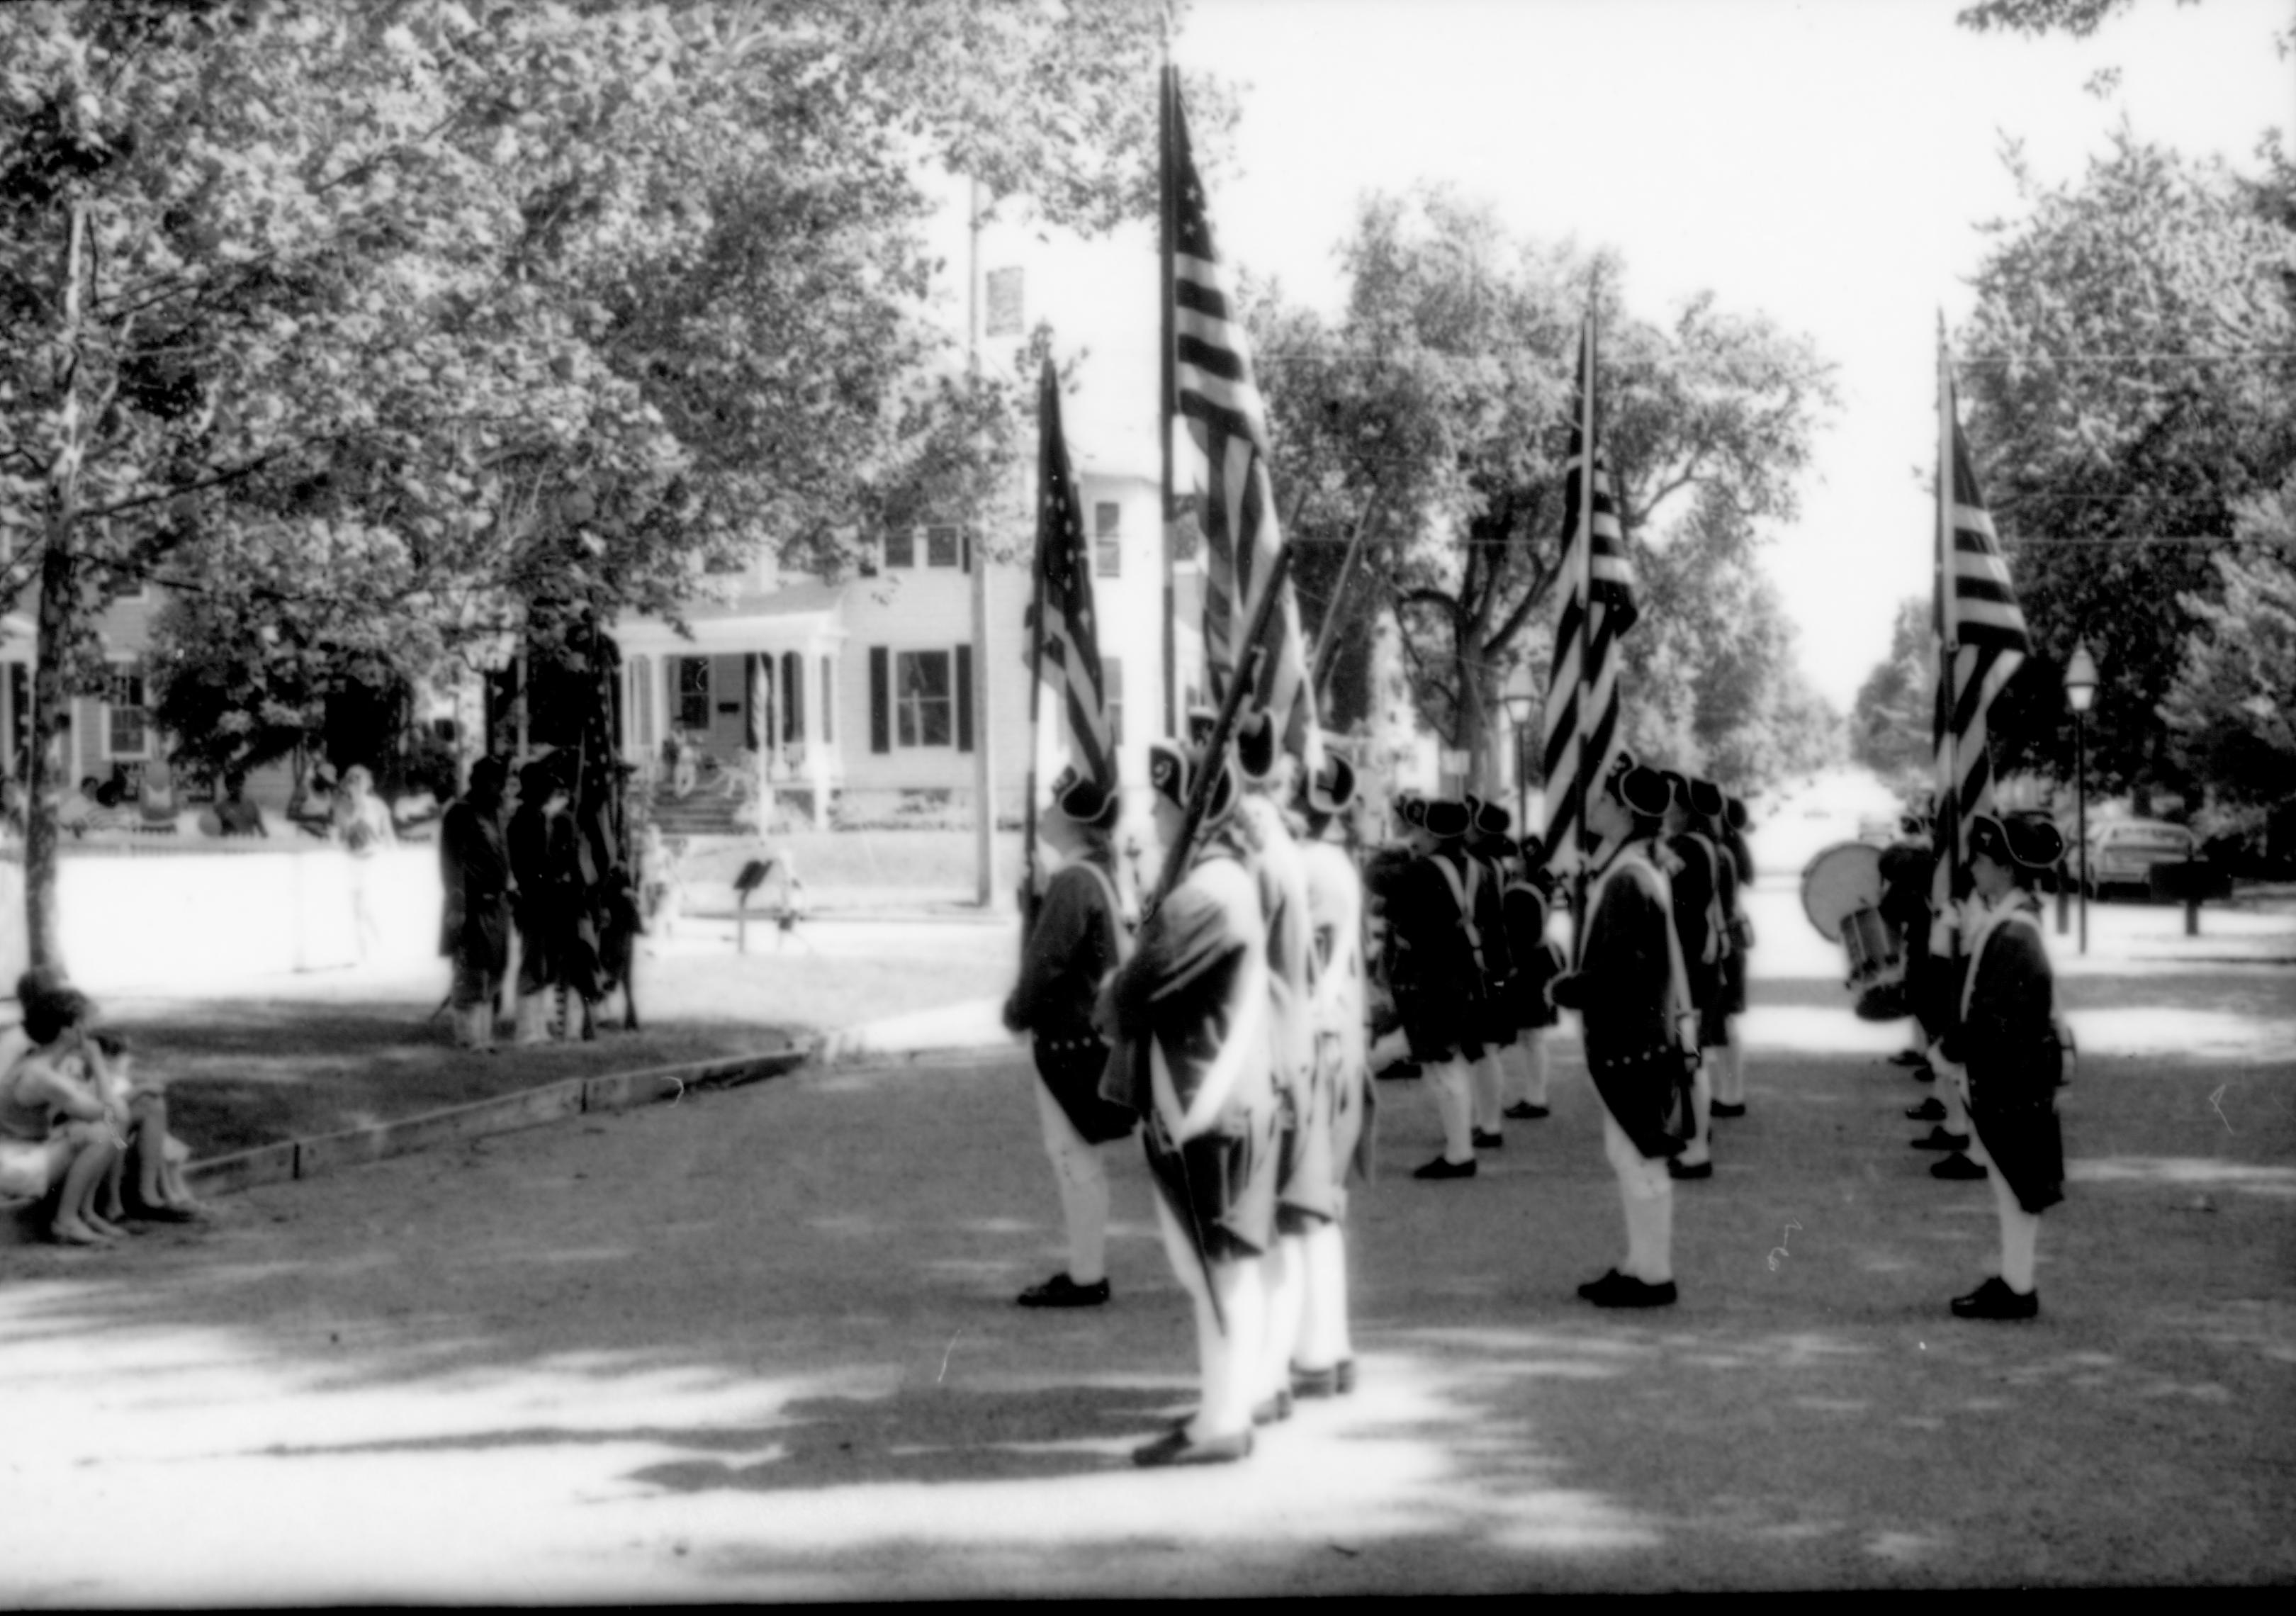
1492,820
1256,750
1332,787
2033,843
1644,791
1735,812
1706,800
1084,799
1172,772
1201,722
1446,818
1412,810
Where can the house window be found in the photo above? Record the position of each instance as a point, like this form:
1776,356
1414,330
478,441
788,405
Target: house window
1112,690
693,693
125,734
1107,544
900,548
924,714
940,546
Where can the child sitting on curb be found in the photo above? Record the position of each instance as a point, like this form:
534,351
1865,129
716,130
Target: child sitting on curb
161,1195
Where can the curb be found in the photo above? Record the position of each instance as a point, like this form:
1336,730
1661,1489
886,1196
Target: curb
293,1158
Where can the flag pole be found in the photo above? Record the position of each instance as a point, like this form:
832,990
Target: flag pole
1046,402
1165,379
1327,633
1948,648
1588,765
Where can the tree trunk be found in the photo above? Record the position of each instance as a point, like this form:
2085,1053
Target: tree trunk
59,606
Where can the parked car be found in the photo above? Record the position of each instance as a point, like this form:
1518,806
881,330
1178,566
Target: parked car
2122,852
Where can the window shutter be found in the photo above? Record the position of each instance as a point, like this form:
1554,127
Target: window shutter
881,711
965,698
965,555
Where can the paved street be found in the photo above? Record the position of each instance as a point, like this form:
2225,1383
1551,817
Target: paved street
759,1344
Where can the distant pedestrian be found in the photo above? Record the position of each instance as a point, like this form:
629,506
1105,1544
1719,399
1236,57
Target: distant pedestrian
361,821
235,815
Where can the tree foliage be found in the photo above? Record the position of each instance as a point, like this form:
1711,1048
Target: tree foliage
2129,388
1432,416
1891,723
2232,706
378,324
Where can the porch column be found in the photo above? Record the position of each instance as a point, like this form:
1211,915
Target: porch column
816,709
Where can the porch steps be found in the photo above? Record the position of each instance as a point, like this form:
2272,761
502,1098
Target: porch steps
705,811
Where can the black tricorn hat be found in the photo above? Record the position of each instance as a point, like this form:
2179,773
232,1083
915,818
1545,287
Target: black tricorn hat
1735,812
1706,800
1172,770
1677,785
1492,819
2033,843
1447,818
1255,744
1332,787
1084,799
1412,810
1201,722
1644,791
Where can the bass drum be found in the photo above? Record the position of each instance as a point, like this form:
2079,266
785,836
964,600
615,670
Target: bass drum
1842,894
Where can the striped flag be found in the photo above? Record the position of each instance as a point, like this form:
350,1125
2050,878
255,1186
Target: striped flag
1214,391
1981,640
1068,650
1598,607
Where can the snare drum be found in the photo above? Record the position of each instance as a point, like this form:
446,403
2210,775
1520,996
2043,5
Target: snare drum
1877,966
1842,894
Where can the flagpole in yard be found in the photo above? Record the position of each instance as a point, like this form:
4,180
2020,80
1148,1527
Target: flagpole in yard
984,796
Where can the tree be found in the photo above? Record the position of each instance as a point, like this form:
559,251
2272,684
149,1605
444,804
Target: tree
2230,705
2128,388
1892,721
440,309
1433,418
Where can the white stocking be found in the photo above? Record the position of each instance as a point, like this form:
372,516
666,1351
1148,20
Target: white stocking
1083,1177
1448,1083
1533,1045
1488,1083
1701,1114
1323,1336
1283,1272
2020,1233
1733,1084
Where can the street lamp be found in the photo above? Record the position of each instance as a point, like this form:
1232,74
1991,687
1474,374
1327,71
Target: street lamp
2080,690
1521,704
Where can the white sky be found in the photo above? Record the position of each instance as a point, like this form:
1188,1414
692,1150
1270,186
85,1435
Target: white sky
1824,162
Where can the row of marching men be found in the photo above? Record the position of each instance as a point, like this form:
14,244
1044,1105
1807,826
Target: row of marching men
1474,977
1232,1032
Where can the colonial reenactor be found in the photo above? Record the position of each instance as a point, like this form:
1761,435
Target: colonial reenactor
474,931
1697,887
1633,998
1490,851
1933,981
1323,1354
1730,1079
1439,987
1077,940
1303,1171
1191,1008
1527,901
1388,987
1718,1063
2010,1051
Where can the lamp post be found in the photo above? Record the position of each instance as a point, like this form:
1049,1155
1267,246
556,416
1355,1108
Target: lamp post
2080,690
1521,704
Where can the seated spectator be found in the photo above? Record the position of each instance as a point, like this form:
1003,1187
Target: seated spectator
75,812
58,1139
161,1195
235,815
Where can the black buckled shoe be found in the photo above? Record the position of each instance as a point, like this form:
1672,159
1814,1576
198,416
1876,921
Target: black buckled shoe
1175,1448
1490,1139
1939,1139
1676,1167
1957,1166
1314,1382
1273,1410
1617,1290
1909,1057
1931,1110
1441,1169
1994,1300
1061,1291
1523,1111
1723,1108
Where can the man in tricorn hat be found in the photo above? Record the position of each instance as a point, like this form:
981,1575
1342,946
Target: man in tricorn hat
1430,916
1490,851
2007,1050
1191,1006
1528,901
1697,875
1336,1131
1633,999
1077,938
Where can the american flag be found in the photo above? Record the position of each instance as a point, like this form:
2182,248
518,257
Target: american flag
1981,642
1214,393
1582,693
1068,651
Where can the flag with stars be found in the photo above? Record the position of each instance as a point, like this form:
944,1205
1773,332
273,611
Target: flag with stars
1214,393
1068,638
